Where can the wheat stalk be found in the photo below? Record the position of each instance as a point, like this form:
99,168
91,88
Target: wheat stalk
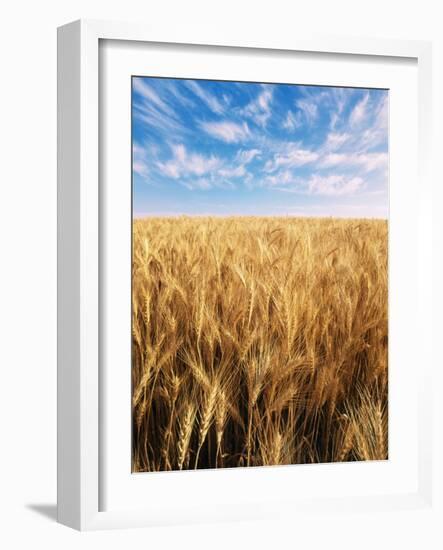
252,337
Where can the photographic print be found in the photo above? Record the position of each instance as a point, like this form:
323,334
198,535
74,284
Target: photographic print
259,274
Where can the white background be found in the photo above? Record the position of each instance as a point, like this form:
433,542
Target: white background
28,268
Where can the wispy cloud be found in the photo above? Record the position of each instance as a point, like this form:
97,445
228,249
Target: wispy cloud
245,156
208,183
151,97
376,133
294,156
209,99
284,177
227,99
185,164
309,109
292,121
152,110
230,132
334,185
174,89
259,110
367,161
338,99
157,120
316,184
233,172
139,160
336,140
358,113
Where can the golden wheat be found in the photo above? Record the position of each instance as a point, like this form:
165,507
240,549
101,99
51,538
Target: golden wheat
258,341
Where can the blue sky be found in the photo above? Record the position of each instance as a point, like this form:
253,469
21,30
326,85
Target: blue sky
228,148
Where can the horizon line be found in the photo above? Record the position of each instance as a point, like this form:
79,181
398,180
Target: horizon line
184,215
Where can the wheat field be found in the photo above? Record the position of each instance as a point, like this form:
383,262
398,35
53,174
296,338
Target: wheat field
258,341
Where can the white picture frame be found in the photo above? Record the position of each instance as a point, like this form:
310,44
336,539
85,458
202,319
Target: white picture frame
80,413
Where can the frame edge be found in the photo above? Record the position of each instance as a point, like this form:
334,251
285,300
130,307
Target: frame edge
77,150
68,275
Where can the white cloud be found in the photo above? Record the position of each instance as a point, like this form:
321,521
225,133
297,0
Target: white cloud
294,156
329,100
335,140
333,185
367,161
171,169
284,177
376,134
245,156
179,152
358,113
158,120
227,131
316,184
248,180
242,158
367,129
150,95
180,96
260,108
139,162
210,100
185,164
292,121
334,159
309,109
382,116
338,98
199,165
235,172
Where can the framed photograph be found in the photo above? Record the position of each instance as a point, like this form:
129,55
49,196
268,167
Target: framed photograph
259,274
242,258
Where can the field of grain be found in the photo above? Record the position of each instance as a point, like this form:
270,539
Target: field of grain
258,341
